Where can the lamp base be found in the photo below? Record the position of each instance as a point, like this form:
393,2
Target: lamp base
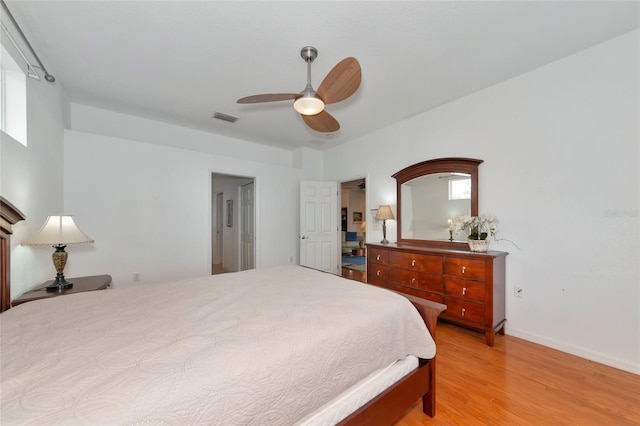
59,284
384,232
59,261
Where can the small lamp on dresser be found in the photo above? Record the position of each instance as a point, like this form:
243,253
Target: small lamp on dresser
384,213
59,232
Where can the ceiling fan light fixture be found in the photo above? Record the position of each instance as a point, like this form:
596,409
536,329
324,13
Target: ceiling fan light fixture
308,105
341,82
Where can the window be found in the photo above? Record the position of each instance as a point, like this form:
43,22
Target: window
13,98
460,189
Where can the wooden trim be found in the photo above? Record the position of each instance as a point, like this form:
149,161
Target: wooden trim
9,215
438,165
394,402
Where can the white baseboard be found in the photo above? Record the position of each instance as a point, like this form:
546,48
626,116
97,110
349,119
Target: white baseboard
576,350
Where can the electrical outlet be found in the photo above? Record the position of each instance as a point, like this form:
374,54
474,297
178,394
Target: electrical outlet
517,292
136,276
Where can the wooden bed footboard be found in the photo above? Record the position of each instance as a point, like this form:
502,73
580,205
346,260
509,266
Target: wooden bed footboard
391,404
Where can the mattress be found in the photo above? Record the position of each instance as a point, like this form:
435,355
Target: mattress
359,394
267,346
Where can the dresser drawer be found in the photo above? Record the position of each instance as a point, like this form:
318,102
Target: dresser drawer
466,289
465,268
378,256
420,280
417,262
377,273
465,309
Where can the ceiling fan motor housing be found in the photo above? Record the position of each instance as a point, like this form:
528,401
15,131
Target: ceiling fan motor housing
309,53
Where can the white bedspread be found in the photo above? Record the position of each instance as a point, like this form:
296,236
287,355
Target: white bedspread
261,347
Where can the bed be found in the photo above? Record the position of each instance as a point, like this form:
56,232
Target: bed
283,345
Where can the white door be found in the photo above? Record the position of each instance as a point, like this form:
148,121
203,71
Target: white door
319,225
247,227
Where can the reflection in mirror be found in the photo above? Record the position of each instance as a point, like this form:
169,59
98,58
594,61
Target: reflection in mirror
431,202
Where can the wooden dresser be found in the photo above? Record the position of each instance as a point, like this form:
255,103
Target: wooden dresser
472,285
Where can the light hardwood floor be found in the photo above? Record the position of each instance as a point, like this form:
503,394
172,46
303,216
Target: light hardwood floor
520,383
217,269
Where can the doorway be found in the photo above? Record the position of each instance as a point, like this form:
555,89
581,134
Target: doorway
233,223
353,196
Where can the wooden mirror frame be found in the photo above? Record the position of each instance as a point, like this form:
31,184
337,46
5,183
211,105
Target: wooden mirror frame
439,165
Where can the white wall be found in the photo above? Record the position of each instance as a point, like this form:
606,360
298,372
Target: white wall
110,123
31,179
560,147
148,206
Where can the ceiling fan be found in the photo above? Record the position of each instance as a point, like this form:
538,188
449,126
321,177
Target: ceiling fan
341,82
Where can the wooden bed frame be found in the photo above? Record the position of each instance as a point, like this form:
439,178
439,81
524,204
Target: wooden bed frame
391,404
386,408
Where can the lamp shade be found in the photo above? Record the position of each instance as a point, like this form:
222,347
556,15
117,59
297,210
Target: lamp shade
58,230
384,213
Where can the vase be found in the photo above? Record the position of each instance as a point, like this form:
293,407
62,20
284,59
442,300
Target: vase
479,245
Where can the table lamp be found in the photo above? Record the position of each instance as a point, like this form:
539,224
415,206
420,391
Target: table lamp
384,213
59,232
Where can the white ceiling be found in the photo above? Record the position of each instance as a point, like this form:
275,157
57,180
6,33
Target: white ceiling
181,61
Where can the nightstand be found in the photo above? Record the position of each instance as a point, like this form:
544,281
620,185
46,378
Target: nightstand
80,284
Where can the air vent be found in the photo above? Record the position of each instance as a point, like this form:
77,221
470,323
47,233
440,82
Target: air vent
225,117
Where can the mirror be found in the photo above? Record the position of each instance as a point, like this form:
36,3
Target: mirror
431,202
432,193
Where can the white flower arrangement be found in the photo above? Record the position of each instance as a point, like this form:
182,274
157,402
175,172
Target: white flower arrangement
479,227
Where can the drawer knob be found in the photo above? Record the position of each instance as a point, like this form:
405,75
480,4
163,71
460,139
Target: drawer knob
413,280
378,272
463,269
413,262
463,311
464,291
378,257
